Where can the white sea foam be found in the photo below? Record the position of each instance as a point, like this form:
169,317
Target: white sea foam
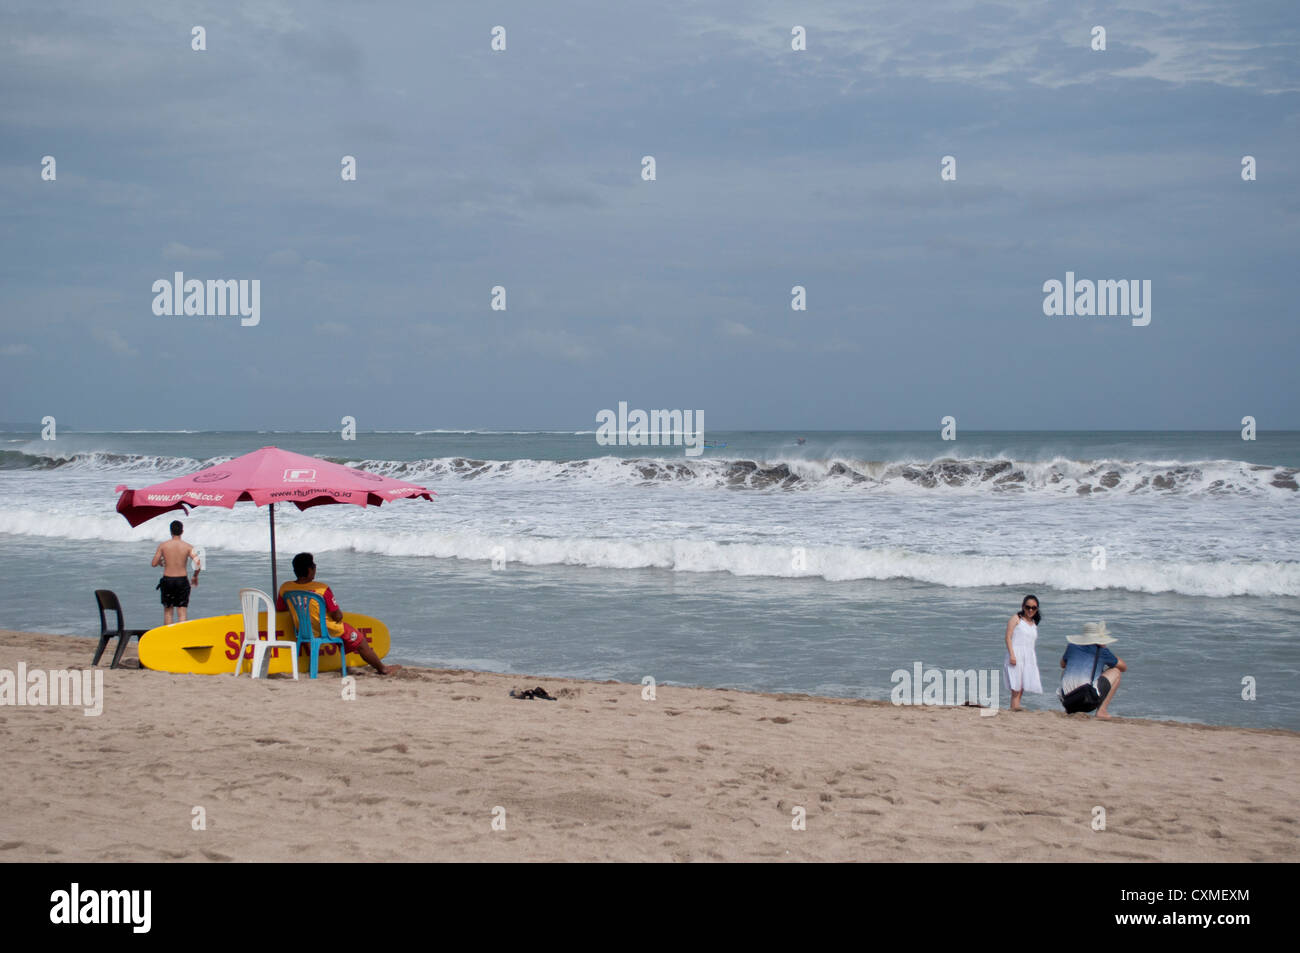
1215,578
1200,527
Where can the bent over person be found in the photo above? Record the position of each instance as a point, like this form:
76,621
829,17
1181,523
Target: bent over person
1091,672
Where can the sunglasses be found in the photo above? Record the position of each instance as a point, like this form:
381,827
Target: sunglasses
1031,608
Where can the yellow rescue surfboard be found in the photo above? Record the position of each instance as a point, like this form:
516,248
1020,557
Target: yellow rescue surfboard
209,646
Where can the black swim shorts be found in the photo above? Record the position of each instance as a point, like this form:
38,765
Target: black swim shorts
1103,687
175,591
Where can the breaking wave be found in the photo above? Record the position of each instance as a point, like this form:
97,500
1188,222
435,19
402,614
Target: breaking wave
996,475
245,531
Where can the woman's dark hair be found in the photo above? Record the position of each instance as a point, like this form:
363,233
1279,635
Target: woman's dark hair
1038,616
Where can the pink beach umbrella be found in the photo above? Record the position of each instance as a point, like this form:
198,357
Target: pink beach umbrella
266,477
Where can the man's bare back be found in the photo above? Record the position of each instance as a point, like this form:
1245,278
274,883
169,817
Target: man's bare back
174,584
171,555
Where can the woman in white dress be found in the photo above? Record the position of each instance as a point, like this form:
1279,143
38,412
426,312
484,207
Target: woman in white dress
1020,665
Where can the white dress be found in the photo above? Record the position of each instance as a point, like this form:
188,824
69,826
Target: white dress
1023,676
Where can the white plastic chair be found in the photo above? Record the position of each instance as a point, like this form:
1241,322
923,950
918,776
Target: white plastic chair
251,601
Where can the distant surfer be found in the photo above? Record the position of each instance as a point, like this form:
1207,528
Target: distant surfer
801,440
174,584
304,567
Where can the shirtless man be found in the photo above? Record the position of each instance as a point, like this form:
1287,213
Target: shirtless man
175,587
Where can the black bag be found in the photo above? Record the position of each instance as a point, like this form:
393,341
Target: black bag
1085,698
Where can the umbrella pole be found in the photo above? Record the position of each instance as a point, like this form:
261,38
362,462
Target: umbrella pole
274,587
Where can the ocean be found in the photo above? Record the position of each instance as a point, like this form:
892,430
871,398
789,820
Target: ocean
766,564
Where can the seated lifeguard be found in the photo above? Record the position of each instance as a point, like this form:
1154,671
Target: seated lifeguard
304,567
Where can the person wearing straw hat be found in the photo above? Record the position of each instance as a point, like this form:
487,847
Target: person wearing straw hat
1091,671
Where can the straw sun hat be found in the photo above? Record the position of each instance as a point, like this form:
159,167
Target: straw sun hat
1094,633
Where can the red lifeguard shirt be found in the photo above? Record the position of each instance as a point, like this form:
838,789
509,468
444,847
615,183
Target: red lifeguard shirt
331,604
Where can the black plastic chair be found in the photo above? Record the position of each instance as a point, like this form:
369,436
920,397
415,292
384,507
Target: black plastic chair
106,599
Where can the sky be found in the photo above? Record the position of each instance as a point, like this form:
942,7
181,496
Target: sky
775,168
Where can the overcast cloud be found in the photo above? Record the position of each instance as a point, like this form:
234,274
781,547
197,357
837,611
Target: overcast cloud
775,168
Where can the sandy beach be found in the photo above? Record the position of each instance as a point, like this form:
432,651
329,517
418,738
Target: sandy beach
417,766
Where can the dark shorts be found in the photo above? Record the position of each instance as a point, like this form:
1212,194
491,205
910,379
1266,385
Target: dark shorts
1103,687
175,591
